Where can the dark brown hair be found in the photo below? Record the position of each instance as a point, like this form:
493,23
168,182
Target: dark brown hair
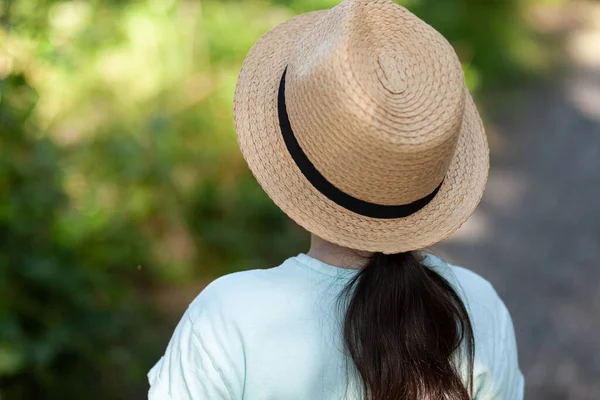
404,329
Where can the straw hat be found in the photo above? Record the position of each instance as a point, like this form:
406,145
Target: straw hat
356,121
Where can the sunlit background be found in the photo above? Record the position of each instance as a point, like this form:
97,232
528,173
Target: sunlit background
123,192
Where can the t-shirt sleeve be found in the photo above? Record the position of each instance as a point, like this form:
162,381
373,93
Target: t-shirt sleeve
187,370
204,358
501,378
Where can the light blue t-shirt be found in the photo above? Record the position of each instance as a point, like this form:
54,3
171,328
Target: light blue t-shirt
274,335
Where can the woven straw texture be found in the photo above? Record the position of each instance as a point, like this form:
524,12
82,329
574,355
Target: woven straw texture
377,101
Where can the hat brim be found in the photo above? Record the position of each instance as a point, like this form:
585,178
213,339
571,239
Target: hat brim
262,145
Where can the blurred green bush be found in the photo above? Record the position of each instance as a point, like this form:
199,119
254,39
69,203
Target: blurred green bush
120,173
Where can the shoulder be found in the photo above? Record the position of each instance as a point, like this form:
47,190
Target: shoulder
497,373
237,296
477,289
491,320
486,308
206,356
473,288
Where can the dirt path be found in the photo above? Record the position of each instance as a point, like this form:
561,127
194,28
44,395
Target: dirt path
536,235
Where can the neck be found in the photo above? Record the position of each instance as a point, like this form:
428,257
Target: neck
336,255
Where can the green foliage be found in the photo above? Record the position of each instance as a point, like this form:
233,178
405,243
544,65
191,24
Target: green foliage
67,304
120,174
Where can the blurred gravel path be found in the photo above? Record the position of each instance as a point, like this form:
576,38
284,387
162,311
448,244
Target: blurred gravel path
536,235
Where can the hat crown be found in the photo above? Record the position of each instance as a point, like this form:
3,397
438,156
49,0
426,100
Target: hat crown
394,95
391,74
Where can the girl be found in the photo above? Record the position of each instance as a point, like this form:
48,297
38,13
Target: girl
357,123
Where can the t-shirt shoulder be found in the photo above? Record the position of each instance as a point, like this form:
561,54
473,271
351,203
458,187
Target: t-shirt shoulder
486,309
497,374
238,294
205,357
476,292
476,287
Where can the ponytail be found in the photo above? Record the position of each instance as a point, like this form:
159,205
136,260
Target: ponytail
403,329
